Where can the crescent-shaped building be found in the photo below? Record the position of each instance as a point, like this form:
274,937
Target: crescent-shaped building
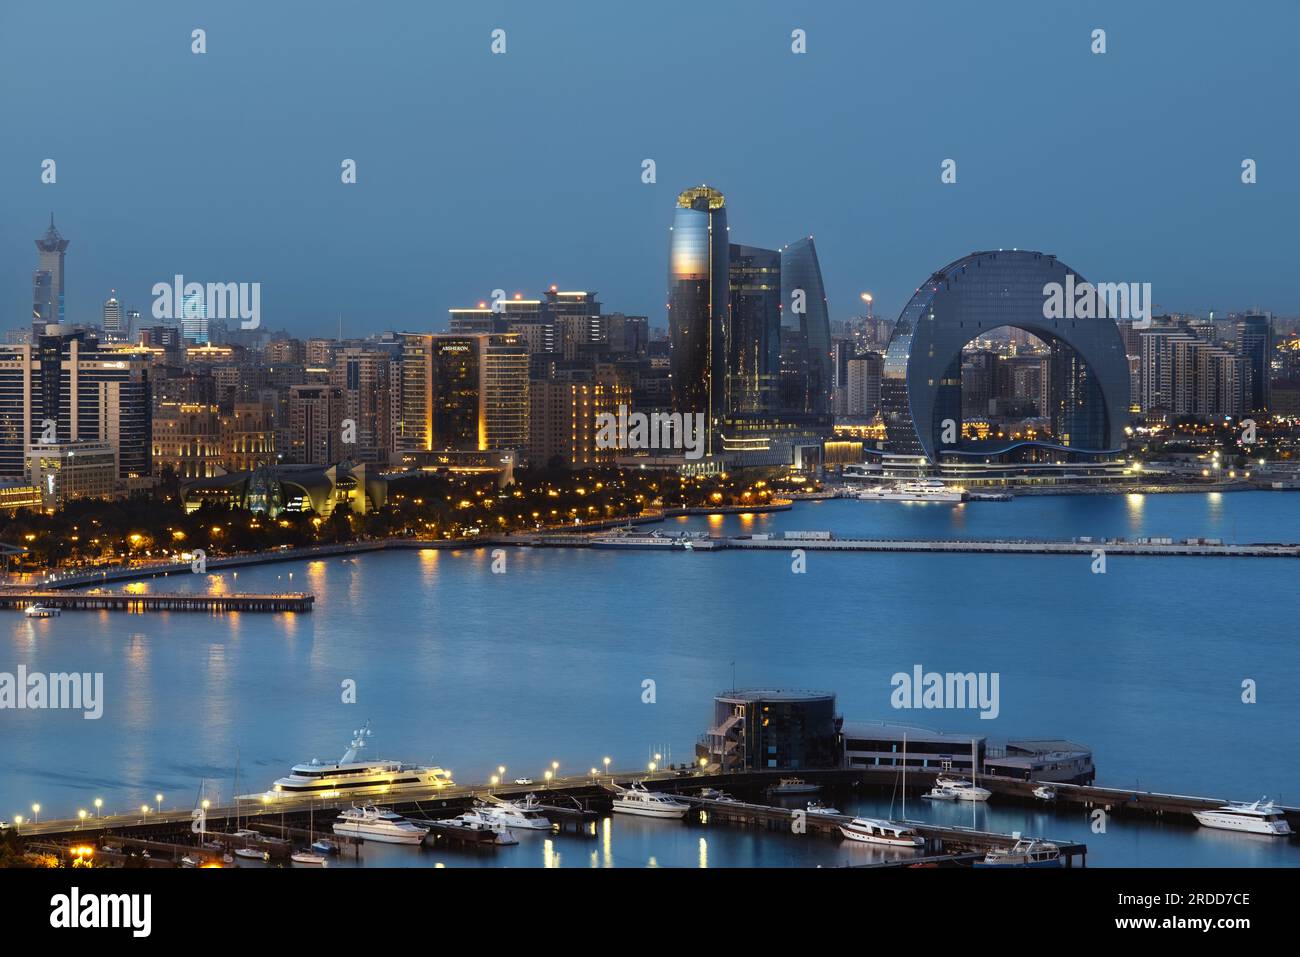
921,385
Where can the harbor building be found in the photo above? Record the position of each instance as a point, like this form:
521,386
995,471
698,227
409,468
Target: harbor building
768,728
291,488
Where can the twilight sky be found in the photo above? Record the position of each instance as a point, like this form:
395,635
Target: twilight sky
478,171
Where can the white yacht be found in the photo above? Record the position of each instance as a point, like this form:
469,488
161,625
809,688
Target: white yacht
871,830
476,820
637,800
938,793
42,611
817,807
1045,792
1259,817
351,776
963,790
921,490
1026,852
374,824
525,814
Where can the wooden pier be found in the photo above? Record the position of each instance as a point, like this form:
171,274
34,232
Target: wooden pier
138,603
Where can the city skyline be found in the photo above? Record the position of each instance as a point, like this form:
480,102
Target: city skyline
434,230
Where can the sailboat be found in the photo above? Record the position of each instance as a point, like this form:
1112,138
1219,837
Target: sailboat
307,855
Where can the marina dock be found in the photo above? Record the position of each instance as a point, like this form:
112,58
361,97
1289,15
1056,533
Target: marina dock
156,601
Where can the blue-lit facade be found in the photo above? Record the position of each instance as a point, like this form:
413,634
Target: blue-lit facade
805,338
921,387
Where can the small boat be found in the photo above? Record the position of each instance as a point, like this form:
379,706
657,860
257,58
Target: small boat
324,846
793,786
1259,817
637,800
526,814
479,823
190,860
937,793
252,854
963,790
1026,852
42,611
817,807
374,824
308,858
870,830
1045,792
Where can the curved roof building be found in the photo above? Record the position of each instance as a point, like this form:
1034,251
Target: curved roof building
921,388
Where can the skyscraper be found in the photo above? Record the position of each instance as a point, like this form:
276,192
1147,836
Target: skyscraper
754,333
47,282
698,305
806,368
1255,346
112,315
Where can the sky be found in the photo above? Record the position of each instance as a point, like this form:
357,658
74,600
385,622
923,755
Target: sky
478,171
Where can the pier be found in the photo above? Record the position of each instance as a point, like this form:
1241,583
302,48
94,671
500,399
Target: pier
157,601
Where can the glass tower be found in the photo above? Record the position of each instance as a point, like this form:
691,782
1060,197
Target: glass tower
698,306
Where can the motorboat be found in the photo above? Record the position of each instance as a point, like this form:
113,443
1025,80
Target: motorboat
1045,792
938,793
793,786
817,807
526,814
925,490
870,830
375,824
1258,817
1026,852
637,800
351,776
324,846
479,822
963,790
42,611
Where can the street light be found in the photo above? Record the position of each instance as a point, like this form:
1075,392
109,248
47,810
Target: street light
607,767
651,766
547,777
36,813
555,766
494,780
158,798
81,816
18,820
99,803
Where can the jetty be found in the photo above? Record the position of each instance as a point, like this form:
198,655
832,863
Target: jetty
139,602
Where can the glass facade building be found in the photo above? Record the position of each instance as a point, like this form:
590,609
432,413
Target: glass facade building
773,728
921,387
698,305
754,336
806,370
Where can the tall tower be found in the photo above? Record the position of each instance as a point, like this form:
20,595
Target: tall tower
699,305
113,316
47,281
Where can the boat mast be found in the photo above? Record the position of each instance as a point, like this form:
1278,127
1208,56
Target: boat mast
904,775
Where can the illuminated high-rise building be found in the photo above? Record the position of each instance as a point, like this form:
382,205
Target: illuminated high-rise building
48,281
698,306
754,331
112,322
